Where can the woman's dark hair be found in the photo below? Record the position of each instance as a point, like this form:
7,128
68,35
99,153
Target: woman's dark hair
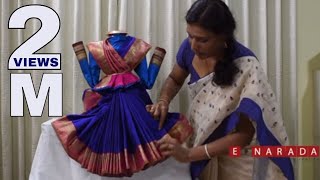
215,16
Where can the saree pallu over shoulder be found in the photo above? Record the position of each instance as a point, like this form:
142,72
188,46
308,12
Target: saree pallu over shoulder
97,51
111,62
215,110
136,53
107,58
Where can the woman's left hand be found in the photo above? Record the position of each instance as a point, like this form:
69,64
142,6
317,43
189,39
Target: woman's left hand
171,147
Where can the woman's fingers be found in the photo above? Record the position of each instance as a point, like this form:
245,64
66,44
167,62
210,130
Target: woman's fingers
161,141
166,149
167,142
153,110
169,146
148,107
163,116
166,153
158,111
164,139
167,139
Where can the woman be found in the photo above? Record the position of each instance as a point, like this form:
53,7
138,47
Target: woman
116,136
232,102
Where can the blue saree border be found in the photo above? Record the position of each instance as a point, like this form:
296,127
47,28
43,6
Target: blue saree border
264,136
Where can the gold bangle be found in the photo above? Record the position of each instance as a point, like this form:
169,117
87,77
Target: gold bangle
206,149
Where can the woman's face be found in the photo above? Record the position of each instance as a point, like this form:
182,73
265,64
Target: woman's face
205,43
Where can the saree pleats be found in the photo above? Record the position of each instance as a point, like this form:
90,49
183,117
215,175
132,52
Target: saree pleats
117,136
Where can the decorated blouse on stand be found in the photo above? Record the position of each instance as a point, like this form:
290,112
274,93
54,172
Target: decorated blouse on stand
116,136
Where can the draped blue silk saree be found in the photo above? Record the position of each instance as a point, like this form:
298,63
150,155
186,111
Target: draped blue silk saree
115,136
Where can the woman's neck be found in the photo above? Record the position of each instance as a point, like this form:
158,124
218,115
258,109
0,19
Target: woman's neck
205,66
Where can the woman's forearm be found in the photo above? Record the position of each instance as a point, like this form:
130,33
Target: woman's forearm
173,84
220,146
242,136
169,90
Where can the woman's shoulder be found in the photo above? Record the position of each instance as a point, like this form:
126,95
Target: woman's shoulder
185,54
242,51
185,43
185,46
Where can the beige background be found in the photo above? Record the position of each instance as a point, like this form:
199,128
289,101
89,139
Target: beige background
308,46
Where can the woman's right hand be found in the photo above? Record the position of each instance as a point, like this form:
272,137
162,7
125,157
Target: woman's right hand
170,88
159,111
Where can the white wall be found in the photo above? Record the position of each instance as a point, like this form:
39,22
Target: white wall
308,46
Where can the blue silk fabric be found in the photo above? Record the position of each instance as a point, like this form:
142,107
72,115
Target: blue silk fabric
120,121
121,109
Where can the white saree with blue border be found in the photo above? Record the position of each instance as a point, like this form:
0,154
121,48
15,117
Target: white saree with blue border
214,113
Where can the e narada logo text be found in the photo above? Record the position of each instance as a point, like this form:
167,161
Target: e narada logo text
278,151
25,57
